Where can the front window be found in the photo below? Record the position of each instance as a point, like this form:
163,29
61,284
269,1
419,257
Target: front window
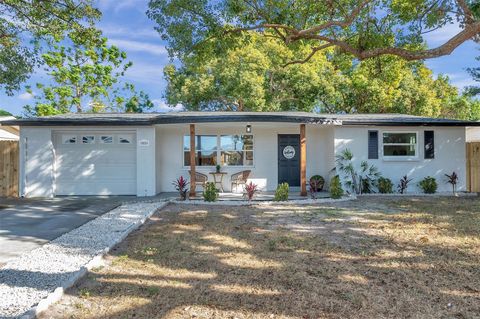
236,150
399,144
227,150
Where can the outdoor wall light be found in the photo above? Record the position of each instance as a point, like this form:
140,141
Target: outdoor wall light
248,129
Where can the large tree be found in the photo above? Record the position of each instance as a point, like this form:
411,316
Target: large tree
362,28
474,90
85,74
250,76
25,26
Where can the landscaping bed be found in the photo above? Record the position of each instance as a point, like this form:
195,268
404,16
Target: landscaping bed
375,257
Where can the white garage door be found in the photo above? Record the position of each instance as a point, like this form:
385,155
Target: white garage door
95,163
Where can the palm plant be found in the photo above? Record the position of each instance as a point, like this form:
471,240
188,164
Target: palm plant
453,179
358,182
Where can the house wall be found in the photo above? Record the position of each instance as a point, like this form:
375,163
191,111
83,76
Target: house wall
449,154
169,153
37,158
473,134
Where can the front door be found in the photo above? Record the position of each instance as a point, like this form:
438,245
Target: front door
289,159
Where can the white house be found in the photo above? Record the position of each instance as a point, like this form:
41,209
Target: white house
141,154
8,132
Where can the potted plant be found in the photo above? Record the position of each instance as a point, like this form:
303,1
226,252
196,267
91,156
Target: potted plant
181,186
218,168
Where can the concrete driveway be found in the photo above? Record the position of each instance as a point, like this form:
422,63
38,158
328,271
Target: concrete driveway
26,224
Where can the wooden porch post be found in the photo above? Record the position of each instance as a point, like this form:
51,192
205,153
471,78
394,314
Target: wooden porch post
303,160
192,160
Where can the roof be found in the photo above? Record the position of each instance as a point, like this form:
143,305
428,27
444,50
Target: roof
114,119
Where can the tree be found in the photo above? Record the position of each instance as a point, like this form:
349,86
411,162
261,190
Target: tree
250,76
85,70
364,29
23,24
475,73
5,113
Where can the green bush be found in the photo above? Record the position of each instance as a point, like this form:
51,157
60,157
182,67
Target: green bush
318,181
385,185
281,194
210,193
336,190
428,185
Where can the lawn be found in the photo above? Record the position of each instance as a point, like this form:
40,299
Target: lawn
369,258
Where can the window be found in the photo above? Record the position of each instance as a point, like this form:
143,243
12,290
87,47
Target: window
88,139
106,139
236,150
227,150
400,144
205,150
69,139
125,139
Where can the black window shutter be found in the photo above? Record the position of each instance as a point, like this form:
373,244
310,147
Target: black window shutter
372,144
429,143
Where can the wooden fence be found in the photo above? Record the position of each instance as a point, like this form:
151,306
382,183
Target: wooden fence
473,167
9,168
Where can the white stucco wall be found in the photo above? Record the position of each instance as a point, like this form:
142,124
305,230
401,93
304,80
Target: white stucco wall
473,134
169,155
37,159
449,154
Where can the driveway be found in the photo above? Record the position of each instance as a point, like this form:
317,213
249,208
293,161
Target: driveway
26,224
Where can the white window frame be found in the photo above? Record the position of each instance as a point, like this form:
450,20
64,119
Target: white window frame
102,141
93,141
68,137
400,158
219,151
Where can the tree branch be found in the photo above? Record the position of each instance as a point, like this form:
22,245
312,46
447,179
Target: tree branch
314,50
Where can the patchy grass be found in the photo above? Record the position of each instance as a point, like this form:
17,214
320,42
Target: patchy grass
371,258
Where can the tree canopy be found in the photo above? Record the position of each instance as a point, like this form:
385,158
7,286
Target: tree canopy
474,90
250,76
24,24
363,29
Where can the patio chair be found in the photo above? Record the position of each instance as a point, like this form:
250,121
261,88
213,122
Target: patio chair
200,179
239,178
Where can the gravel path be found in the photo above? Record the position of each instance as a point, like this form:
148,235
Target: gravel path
25,281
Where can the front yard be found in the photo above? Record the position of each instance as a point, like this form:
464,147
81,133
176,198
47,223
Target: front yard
375,257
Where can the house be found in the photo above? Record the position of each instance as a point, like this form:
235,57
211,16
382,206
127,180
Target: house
141,154
7,132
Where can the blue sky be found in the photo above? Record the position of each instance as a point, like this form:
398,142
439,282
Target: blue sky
126,25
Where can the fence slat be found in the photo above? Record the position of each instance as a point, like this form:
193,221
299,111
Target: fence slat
9,168
473,167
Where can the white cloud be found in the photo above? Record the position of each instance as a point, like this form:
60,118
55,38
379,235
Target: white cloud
162,106
147,73
138,46
440,36
118,5
112,30
25,96
461,80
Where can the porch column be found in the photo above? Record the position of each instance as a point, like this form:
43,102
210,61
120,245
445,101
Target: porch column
192,160
303,160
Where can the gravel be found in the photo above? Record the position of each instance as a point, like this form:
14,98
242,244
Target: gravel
47,271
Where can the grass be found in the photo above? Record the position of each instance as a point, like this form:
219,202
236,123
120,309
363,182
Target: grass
370,258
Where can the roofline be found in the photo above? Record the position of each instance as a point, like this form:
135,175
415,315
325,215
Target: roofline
174,118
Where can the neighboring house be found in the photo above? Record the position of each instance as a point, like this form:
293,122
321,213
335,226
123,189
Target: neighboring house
141,154
8,133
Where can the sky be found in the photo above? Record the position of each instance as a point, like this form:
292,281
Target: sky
127,26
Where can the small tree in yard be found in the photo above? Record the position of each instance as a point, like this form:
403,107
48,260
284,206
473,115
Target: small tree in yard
181,186
453,179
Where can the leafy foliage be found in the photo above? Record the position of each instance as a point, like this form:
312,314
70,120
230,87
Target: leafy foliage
317,182
180,185
5,113
86,70
474,90
336,190
385,185
428,185
403,184
250,190
25,24
453,180
357,180
281,193
210,193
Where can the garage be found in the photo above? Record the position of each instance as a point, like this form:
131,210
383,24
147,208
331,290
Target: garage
95,163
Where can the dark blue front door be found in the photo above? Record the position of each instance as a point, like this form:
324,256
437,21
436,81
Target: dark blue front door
289,159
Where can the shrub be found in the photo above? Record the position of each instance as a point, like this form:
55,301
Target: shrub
428,185
336,190
210,193
281,194
250,190
453,179
317,182
385,185
181,186
403,185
